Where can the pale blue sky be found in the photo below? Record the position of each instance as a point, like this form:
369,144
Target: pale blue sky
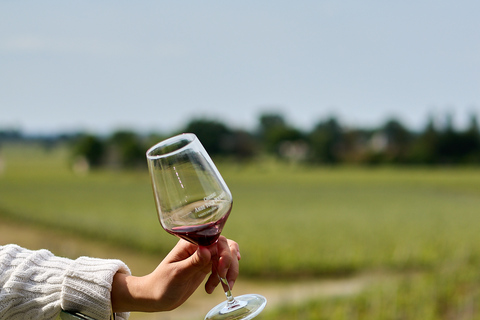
153,65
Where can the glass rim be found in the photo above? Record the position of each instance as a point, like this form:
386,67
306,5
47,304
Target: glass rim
189,137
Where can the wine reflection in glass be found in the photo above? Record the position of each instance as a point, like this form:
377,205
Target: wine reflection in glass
193,202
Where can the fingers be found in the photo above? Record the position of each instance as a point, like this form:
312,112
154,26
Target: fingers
225,257
228,267
211,283
227,252
182,250
234,248
234,269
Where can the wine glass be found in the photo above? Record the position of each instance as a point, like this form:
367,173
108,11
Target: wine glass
193,202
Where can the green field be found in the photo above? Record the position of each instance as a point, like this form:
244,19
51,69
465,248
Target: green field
291,222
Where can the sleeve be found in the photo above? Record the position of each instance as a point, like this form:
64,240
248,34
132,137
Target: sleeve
38,284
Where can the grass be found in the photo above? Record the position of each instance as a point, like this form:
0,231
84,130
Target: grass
290,222
344,220
449,292
41,189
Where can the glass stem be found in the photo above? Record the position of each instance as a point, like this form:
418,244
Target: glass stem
226,288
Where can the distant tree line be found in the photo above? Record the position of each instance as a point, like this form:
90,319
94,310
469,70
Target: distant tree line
328,143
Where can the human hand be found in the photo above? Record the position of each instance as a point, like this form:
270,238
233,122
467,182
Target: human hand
176,277
225,256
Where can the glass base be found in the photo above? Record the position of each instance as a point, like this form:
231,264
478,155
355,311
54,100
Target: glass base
243,307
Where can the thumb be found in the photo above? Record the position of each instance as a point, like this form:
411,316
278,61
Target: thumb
201,259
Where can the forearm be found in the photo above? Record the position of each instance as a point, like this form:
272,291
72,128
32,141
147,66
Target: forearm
124,294
142,294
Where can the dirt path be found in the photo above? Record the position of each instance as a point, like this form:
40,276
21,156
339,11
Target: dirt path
199,304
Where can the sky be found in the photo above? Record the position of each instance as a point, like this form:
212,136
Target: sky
155,65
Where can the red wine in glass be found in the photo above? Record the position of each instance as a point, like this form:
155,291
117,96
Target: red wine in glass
203,235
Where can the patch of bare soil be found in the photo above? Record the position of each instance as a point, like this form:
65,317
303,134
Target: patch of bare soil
200,303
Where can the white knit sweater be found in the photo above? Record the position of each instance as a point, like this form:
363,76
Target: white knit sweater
38,284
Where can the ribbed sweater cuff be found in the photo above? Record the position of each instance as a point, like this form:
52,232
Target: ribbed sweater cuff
87,286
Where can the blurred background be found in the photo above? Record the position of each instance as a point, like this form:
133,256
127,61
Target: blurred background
347,132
